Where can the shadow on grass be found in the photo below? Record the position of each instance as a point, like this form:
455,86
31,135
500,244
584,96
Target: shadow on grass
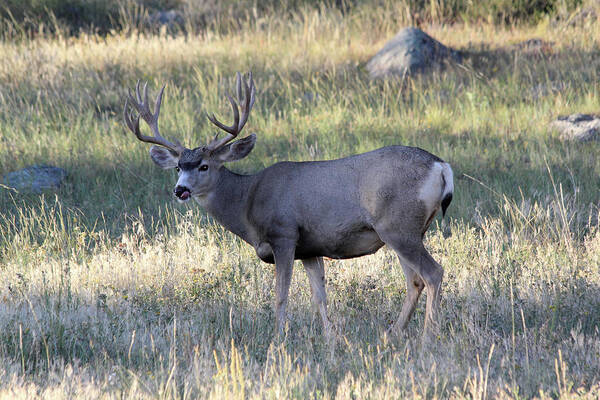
107,194
141,330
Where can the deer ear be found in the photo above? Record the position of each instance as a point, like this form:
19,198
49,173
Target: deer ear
236,150
163,157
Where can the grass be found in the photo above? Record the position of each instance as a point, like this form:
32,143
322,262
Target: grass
109,289
31,18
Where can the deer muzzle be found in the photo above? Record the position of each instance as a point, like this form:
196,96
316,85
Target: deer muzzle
182,192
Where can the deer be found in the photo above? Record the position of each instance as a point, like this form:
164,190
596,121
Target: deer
339,209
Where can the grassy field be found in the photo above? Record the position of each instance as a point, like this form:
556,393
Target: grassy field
109,289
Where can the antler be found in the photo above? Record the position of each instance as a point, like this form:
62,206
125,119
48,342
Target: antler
141,105
238,123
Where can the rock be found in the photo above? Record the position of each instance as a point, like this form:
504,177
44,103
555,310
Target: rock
170,18
35,178
533,46
410,51
547,88
578,118
585,16
309,97
578,127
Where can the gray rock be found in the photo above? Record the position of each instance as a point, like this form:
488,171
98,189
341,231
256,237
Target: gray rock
534,45
410,51
587,15
578,127
309,97
548,88
35,178
578,118
169,18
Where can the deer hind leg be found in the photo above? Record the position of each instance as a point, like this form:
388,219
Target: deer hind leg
413,256
421,262
414,287
315,269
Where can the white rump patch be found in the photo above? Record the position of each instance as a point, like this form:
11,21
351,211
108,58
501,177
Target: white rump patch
449,178
430,191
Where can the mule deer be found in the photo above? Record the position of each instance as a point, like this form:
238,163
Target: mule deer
309,210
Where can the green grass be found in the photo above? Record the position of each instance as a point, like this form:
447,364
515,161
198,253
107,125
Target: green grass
110,289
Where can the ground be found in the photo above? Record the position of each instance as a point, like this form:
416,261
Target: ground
108,288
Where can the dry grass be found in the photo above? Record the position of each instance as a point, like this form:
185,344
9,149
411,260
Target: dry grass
109,290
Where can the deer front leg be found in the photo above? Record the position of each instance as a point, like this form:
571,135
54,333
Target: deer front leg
284,263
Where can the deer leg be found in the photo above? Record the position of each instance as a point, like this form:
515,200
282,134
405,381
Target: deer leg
420,261
315,269
284,263
414,287
414,256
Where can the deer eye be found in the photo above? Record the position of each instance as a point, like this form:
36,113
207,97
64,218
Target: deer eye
203,167
177,169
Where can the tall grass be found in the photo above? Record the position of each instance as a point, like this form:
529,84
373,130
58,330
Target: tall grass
136,315
32,18
109,289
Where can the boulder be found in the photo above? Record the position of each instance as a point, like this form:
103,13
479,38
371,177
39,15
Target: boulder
585,16
534,46
35,178
410,51
170,18
578,127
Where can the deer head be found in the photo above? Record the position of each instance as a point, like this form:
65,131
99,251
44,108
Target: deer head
198,168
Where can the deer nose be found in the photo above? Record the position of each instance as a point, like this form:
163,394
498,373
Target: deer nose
181,192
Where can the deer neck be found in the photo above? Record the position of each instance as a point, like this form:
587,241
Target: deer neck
228,203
